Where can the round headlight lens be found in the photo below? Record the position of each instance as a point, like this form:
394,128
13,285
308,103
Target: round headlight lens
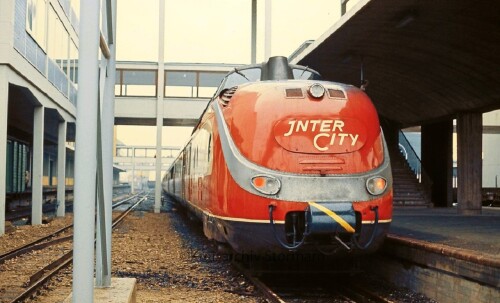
376,185
317,90
266,184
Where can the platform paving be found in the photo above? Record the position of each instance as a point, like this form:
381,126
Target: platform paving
479,233
122,290
447,257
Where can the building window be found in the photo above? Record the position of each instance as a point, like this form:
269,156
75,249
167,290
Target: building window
192,84
75,13
58,41
36,20
208,82
180,84
136,83
73,61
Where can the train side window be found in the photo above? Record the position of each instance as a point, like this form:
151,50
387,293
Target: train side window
187,161
196,163
209,148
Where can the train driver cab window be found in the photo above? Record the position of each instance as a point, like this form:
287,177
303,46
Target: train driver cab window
241,76
305,74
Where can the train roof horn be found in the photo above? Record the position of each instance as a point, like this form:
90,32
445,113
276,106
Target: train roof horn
276,68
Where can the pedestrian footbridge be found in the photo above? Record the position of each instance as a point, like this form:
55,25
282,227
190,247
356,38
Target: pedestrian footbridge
182,89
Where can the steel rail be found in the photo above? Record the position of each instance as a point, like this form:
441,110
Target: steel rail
33,245
263,288
348,291
120,218
40,277
39,283
369,294
25,211
360,294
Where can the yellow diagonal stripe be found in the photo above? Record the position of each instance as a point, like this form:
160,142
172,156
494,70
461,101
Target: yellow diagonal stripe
334,216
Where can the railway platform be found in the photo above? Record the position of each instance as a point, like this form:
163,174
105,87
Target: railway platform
446,256
477,233
123,290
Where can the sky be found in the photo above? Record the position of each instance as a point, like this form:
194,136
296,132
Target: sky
218,31
215,31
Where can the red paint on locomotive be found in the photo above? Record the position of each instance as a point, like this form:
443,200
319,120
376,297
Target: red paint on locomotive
310,151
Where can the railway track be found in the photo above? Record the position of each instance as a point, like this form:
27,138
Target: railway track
49,206
21,267
281,287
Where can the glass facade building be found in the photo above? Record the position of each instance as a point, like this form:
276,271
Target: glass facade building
46,34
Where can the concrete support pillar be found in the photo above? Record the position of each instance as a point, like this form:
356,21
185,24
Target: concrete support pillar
437,161
268,30
254,33
61,170
159,106
37,174
132,185
469,162
4,109
391,133
85,153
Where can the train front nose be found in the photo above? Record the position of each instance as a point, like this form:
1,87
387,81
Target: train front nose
326,224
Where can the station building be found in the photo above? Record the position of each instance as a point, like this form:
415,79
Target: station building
38,98
38,89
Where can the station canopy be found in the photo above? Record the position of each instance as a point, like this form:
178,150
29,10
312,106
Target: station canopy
425,61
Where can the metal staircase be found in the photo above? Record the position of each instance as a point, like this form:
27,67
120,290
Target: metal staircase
411,184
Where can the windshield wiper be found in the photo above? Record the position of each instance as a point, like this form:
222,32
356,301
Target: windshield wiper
303,71
240,73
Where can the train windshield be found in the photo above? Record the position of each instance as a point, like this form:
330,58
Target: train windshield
240,76
305,74
253,74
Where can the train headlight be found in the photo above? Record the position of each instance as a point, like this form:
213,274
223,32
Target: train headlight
316,90
266,184
376,185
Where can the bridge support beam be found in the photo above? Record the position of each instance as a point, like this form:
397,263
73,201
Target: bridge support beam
469,162
159,107
268,30
253,55
437,161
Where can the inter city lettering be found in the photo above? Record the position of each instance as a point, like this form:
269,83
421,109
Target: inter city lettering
333,130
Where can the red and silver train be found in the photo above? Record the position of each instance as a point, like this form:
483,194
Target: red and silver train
282,161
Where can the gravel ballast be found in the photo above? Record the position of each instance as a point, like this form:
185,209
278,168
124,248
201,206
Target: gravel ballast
168,256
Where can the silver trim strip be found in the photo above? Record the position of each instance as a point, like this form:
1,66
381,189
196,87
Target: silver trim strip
234,219
295,187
